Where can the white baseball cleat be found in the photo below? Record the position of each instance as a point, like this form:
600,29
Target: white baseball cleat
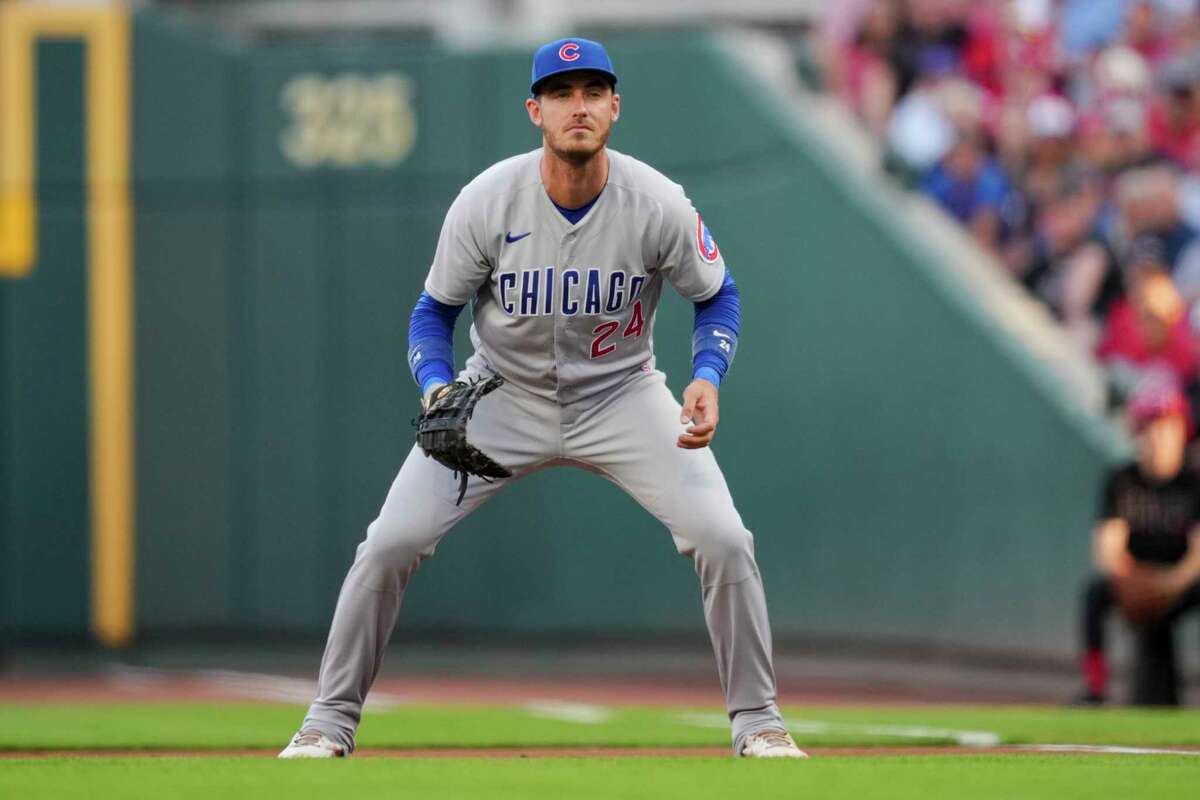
312,744
771,743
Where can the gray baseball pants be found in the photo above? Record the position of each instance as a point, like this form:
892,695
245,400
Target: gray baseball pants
629,437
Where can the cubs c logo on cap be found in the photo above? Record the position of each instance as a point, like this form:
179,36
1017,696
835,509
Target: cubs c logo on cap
569,54
705,242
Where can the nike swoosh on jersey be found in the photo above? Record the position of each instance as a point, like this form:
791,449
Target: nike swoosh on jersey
508,237
722,335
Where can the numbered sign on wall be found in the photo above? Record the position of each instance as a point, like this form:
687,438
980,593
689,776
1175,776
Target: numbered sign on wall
348,121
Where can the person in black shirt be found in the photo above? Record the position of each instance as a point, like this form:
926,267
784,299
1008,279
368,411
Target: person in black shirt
1147,543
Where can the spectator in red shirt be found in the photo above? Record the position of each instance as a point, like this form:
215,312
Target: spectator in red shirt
1174,122
1144,31
863,75
1147,331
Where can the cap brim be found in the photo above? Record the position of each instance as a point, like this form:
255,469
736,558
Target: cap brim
612,79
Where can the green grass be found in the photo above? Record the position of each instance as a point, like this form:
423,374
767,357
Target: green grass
894,778
233,726
229,726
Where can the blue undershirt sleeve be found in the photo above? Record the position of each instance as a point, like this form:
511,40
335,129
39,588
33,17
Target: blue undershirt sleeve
714,336
431,341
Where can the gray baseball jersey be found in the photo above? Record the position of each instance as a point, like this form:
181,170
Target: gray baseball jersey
567,311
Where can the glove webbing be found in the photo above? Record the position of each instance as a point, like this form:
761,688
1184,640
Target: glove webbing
442,432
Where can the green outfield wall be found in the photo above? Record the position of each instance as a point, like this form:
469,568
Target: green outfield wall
43,387
908,474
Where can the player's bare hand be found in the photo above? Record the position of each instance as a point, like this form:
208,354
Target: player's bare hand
431,396
701,409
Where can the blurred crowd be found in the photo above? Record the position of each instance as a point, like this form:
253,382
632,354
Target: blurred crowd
1065,136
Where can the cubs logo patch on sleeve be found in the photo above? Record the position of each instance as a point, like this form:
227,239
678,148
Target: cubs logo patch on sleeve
705,242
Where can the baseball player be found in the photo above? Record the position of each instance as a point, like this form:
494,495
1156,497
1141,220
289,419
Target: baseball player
563,253
1147,543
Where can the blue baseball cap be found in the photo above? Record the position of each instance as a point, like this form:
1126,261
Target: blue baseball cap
569,55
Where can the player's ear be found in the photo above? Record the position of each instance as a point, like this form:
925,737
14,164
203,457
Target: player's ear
535,111
616,106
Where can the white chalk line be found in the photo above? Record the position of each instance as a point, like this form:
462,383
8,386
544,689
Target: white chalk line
960,737
250,685
282,689
564,711
807,726
1106,748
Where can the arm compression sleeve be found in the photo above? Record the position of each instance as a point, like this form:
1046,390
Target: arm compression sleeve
431,341
714,336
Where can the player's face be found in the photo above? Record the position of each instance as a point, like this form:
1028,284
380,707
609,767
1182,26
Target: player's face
1161,443
576,112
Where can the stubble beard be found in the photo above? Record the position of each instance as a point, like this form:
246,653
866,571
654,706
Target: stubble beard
577,154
